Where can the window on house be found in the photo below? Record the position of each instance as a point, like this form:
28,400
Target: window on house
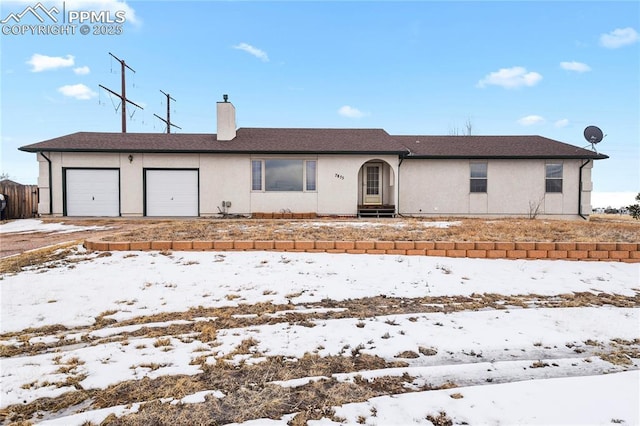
256,175
478,181
311,175
553,181
283,175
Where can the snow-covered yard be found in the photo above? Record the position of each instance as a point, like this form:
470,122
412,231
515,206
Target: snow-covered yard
463,340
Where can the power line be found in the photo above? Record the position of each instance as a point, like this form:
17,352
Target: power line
123,95
168,119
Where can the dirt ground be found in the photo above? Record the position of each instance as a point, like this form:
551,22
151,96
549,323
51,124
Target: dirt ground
11,244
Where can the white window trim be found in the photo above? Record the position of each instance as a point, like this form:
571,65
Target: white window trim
263,185
485,178
561,179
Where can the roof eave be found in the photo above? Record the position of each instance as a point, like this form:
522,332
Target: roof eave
505,157
204,151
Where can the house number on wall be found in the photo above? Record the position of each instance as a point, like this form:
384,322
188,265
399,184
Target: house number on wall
339,176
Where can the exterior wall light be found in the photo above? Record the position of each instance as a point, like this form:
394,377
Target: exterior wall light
130,158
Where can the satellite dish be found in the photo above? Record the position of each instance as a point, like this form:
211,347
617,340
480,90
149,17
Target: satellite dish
593,134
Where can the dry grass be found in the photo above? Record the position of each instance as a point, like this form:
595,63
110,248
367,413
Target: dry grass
621,352
440,420
236,317
598,229
249,393
248,388
49,257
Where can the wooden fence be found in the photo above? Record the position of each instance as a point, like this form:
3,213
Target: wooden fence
22,200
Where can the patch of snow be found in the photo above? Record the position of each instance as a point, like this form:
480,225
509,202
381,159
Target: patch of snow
30,226
470,335
92,417
199,397
593,400
155,284
306,311
367,224
111,331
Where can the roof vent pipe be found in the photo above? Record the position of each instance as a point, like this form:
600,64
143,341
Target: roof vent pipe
226,117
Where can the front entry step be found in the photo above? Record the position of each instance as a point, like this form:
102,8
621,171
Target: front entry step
376,211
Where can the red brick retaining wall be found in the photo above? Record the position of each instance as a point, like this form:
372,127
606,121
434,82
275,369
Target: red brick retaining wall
611,252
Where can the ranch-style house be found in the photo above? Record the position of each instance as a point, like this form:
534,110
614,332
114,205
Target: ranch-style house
325,172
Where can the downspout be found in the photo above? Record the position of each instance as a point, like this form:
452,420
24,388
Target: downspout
580,190
398,189
400,164
50,184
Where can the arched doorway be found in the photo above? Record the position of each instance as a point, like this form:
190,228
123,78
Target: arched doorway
376,195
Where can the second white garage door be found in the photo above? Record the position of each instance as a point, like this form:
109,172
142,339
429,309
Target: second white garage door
171,192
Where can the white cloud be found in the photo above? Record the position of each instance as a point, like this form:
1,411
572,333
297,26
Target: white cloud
575,66
619,37
530,120
77,91
41,63
350,112
511,78
260,54
561,123
82,70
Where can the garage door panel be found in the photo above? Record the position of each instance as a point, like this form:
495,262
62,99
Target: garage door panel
92,192
172,192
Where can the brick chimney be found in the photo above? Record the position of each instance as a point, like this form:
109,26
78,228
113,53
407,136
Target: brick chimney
226,117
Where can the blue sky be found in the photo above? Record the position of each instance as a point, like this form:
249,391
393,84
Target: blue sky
546,68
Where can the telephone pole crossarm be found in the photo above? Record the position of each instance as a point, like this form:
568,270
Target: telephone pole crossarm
123,95
167,121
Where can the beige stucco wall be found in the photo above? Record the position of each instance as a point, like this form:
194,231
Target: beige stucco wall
44,205
514,188
338,183
223,177
342,196
426,187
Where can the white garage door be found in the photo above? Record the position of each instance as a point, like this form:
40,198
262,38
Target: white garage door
92,192
172,192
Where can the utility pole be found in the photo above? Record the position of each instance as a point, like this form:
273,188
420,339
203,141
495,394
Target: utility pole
168,120
123,95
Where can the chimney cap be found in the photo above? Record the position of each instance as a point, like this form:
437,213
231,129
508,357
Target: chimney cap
225,97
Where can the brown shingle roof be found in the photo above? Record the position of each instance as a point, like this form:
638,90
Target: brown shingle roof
247,140
328,141
492,147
